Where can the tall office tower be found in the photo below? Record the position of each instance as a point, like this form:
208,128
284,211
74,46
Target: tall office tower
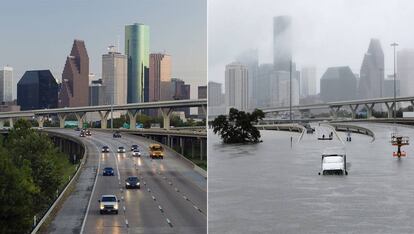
308,81
250,59
338,84
283,89
97,93
37,90
282,43
371,82
137,40
75,77
405,71
159,77
215,99
114,77
180,91
267,86
389,87
237,86
202,93
6,84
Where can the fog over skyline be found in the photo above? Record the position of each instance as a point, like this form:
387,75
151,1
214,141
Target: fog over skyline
325,32
39,34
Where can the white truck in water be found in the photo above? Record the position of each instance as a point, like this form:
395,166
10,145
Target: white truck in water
333,162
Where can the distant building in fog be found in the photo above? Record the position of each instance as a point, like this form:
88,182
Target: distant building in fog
237,81
389,87
215,99
282,42
371,82
308,81
338,84
250,59
405,71
267,86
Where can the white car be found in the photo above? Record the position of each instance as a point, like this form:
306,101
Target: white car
136,153
108,204
333,162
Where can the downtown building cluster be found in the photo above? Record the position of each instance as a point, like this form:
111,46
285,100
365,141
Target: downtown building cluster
134,77
249,84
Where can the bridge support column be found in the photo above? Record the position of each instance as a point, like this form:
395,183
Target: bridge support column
412,103
334,111
369,107
1,123
166,114
204,111
62,118
192,148
132,114
353,108
80,117
11,122
201,149
40,121
181,146
104,118
390,108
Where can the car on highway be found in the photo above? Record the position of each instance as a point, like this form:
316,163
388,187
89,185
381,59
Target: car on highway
82,134
105,149
333,161
132,182
134,147
156,151
77,129
121,149
117,135
136,153
108,171
108,204
88,132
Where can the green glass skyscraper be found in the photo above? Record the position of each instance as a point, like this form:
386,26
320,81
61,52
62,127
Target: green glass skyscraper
137,52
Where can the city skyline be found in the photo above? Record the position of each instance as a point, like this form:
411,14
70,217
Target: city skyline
96,25
319,31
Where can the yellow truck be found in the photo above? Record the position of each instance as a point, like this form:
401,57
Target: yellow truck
156,151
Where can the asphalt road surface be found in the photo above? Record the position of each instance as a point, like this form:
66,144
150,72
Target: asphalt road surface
172,198
272,187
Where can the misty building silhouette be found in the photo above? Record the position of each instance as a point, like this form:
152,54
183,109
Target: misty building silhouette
338,84
282,42
371,82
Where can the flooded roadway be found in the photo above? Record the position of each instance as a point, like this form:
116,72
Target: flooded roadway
273,188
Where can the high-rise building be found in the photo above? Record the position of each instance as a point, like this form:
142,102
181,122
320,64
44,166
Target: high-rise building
97,93
389,87
114,77
6,84
371,82
237,86
202,93
37,90
308,81
338,84
137,41
215,99
267,86
180,91
250,59
282,43
75,77
405,71
159,77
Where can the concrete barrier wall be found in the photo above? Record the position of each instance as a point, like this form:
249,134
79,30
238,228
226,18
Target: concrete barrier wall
340,127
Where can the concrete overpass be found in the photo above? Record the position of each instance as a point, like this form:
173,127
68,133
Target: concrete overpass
166,108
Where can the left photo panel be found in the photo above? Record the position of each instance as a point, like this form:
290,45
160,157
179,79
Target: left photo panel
103,116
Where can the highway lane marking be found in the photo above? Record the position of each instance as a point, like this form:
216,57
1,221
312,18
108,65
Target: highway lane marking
169,222
93,190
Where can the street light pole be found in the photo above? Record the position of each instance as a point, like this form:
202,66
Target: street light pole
112,111
395,87
290,91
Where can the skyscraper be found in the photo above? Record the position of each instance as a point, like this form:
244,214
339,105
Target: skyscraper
202,93
405,71
180,91
97,93
37,90
137,52
282,43
114,77
237,90
250,59
308,81
371,82
75,77
6,84
159,77
215,99
338,84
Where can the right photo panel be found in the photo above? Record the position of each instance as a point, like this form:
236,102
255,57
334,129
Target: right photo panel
310,116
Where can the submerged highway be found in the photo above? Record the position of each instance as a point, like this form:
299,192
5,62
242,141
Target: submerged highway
272,187
172,197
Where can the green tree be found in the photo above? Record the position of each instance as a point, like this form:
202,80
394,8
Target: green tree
238,127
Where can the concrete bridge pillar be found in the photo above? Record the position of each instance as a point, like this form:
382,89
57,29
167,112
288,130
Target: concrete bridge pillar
201,149
62,118
369,107
353,108
412,103
104,118
204,109
192,148
132,115
80,116
11,122
334,111
390,108
181,146
40,121
166,114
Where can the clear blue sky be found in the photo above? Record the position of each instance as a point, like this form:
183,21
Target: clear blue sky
39,34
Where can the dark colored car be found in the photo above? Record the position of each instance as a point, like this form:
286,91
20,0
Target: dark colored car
88,132
105,149
121,149
132,182
134,147
108,171
77,129
117,135
82,134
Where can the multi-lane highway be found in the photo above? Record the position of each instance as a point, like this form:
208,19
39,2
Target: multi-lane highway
273,188
172,197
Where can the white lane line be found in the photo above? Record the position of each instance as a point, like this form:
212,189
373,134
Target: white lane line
169,222
153,198
159,207
126,222
93,190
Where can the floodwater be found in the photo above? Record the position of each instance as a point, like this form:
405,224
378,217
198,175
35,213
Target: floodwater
272,187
